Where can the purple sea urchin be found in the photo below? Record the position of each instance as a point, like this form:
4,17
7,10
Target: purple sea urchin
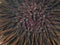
30,22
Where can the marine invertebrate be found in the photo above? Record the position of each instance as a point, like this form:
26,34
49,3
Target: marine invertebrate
30,22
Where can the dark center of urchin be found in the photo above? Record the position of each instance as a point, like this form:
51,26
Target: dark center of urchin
32,17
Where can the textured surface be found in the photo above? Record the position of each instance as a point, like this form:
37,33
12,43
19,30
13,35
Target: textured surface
30,22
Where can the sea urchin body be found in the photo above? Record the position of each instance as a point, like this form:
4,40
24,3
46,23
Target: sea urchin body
30,22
